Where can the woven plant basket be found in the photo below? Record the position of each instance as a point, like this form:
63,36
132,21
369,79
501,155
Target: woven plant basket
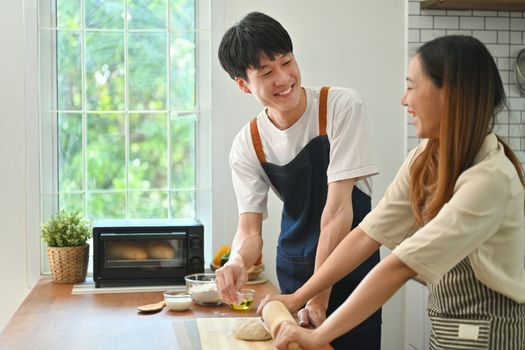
68,264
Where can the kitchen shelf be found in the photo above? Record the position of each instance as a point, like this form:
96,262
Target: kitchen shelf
483,5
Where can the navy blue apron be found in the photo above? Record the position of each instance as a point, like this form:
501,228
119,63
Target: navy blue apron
302,185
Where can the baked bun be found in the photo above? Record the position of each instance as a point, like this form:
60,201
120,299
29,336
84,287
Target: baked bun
126,250
160,250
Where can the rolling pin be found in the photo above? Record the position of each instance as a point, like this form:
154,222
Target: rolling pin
274,314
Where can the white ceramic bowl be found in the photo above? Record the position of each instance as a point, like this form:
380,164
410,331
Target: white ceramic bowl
177,301
202,288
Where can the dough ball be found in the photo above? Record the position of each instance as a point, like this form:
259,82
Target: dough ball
250,329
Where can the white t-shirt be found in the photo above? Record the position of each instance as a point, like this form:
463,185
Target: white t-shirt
351,153
482,221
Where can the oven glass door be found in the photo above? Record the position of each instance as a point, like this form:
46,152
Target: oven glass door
144,255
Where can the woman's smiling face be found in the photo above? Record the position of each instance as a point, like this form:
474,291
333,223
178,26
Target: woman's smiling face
423,99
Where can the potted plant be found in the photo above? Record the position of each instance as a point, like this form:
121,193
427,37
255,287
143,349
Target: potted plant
66,234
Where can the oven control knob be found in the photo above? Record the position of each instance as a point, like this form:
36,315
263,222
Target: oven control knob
196,263
196,244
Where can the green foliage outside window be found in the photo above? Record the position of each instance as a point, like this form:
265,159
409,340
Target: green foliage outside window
126,108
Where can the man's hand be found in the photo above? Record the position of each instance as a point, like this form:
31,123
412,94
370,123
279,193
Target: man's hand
230,278
312,315
289,300
246,249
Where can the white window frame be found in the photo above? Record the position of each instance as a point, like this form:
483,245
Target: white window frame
36,257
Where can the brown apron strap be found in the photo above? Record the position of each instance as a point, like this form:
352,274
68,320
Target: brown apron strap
256,139
323,99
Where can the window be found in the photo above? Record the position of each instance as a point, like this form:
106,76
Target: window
124,108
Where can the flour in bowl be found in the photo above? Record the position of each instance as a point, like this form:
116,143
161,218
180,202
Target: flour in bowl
205,294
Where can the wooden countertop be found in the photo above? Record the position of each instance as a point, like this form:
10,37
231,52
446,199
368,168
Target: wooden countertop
51,318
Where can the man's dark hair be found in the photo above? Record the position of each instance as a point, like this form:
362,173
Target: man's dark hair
242,45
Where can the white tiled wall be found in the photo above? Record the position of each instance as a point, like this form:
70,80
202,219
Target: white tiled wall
504,35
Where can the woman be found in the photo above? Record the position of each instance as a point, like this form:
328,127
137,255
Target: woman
453,215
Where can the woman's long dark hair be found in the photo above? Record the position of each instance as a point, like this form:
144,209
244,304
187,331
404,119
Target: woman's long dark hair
465,70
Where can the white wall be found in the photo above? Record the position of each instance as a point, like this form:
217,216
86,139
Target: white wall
358,44
12,160
503,33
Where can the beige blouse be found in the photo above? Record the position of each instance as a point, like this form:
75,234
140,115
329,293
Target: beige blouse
484,221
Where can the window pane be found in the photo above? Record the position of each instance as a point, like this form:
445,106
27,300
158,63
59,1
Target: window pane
105,71
70,152
104,14
182,71
183,204
182,14
105,151
118,98
71,201
69,79
182,152
147,14
68,14
147,71
148,205
148,146
110,205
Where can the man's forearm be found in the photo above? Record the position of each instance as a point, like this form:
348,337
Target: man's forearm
334,228
339,263
332,233
247,244
243,248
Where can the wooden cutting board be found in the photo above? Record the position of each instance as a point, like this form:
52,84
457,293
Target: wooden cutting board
217,334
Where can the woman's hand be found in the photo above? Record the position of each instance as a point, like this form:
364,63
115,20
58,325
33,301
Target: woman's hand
306,338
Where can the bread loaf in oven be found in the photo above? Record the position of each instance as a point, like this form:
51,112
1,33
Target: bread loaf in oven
160,250
126,250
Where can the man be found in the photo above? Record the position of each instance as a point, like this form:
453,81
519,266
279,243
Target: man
311,146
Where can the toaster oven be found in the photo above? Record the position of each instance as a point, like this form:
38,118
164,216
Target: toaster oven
131,252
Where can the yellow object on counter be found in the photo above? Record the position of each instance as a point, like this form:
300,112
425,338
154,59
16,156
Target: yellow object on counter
223,250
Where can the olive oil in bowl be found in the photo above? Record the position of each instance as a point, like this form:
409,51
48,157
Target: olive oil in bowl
247,300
